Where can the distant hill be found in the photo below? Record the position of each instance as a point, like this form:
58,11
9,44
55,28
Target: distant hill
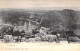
51,18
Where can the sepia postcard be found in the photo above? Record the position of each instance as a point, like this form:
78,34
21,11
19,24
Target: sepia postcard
39,25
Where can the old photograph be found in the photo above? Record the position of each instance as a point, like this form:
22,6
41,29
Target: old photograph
39,25
29,25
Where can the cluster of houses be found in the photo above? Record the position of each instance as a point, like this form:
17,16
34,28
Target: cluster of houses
28,27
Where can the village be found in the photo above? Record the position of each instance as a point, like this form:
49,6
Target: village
30,30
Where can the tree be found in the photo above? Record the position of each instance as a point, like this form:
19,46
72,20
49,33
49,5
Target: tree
71,17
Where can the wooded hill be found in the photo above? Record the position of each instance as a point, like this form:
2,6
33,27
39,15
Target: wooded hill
51,18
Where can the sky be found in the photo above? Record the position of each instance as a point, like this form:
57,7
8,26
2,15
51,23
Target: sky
41,4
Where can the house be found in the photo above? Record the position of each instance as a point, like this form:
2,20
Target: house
27,26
